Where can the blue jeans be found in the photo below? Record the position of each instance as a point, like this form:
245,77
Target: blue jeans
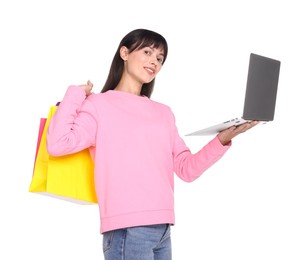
138,243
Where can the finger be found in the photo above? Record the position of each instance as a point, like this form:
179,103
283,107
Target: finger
251,124
246,126
90,83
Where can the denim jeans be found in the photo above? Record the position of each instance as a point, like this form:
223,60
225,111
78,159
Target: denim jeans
138,243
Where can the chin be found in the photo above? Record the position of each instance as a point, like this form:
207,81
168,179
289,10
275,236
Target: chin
148,81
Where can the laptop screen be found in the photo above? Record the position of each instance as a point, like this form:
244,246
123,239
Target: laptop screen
261,88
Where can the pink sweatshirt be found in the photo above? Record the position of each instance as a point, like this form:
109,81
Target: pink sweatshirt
136,149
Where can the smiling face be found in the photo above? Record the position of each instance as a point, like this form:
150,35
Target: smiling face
141,65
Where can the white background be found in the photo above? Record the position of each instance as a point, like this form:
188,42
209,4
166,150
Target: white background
250,205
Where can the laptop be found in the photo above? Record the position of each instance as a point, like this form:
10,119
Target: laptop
260,95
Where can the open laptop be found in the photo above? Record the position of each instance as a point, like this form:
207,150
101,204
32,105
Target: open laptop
260,95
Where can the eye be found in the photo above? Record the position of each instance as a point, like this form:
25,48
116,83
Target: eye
160,59
147,52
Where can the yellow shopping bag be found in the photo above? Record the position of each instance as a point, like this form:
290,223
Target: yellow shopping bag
69,177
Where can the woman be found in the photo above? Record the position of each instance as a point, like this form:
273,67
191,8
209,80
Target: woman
136,149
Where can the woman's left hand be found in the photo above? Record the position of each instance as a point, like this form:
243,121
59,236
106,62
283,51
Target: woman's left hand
226,135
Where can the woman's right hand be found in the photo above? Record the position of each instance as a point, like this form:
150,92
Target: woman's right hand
87,87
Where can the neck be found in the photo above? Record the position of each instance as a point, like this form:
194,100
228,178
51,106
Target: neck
130,88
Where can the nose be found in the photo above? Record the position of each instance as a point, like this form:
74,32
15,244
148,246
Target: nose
153,60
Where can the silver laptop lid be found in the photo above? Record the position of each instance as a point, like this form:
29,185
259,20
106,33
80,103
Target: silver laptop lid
261,88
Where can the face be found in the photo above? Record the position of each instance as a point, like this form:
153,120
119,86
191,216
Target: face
142,65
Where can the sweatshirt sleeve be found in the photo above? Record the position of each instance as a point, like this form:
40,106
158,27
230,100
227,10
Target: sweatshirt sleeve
189,166
73,126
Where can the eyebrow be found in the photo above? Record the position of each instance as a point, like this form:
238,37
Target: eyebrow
161,53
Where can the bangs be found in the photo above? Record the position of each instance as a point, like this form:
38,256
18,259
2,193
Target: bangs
154,43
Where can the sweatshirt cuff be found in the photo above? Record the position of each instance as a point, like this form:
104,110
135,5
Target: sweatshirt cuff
218,145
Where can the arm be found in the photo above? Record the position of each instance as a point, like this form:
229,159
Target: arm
190,166
73,126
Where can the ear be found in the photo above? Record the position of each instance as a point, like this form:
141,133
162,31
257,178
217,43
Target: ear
124,53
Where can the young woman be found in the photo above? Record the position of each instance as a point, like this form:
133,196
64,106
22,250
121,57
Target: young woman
136,149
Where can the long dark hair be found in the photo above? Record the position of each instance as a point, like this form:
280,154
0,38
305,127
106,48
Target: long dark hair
135,40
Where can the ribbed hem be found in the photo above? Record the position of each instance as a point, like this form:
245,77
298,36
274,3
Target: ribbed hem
138,219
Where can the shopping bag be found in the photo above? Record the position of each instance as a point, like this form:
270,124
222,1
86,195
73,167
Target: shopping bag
69,177
39,137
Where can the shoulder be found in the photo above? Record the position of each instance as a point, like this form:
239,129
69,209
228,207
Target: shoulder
160,105
97,97
164,109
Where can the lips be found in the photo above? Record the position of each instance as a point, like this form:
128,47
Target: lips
150,70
